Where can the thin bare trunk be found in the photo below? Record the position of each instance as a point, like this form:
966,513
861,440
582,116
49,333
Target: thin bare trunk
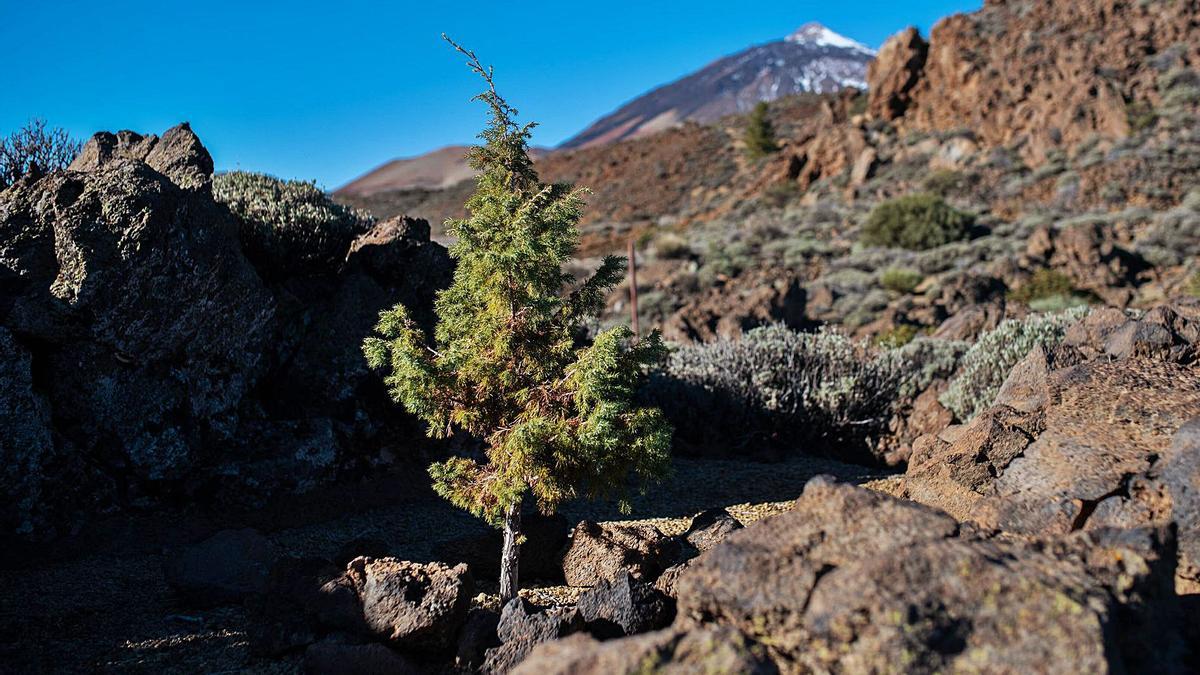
511,555
633,308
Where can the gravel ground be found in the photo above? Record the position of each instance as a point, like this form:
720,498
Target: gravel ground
98,602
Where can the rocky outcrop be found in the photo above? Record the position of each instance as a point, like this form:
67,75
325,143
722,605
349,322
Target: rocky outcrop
624,606
709,528
149,361
522,627
1041,75
894,72
1089,435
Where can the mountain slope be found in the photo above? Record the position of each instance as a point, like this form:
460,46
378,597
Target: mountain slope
812,59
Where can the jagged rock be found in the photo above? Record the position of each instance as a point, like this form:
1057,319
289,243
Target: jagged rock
544,536
624,606
161,356
26,448
1180,475
708,649
225,568
894,72
411,605
862,581
178,155
523,626
709,528
667,580
603,550
972,321
1077,437
1088,254
332,657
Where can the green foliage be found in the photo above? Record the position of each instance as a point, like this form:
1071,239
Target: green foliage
943,181
558,421
809,391
1193,285
916,222
760,134
986,365
671,246
34,150
1048,290
900,279
897,336
288,226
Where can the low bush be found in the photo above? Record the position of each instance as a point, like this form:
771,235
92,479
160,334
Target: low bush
671,246
288,227
987,363
915,222
901,280
34,150
1047,290
776,389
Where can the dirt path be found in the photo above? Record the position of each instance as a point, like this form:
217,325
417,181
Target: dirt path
99,601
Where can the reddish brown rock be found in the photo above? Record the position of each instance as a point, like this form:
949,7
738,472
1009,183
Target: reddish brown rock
894,72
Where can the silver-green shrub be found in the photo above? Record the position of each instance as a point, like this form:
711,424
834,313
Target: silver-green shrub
288,227
779,389
987,363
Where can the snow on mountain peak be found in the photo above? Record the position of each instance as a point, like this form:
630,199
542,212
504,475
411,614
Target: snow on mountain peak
819,36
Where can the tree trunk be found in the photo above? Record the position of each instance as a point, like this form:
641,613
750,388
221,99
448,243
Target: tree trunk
511,555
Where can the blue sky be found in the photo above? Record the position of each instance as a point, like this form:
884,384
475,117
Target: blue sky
328,90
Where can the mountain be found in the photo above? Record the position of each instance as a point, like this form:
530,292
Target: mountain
812,59
433,170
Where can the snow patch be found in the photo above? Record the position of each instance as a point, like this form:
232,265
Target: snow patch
816,35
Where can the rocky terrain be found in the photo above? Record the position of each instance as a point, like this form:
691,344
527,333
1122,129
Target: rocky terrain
933,377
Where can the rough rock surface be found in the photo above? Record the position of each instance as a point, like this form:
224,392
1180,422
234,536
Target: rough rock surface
624,606
746,302
603,550
412,605
709,528
523,626
227,567
149,361
992,71
894,72
863,581
710,649
1080,436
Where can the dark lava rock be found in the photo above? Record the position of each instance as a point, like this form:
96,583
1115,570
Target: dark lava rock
624,606
706,649
225,568
478,635
298,605
522,626
603,550
412,605
861,581
710,527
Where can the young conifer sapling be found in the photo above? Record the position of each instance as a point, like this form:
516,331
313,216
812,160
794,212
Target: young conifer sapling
558,420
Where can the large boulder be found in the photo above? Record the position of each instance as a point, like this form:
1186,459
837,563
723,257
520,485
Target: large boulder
412,605
709,528
603,550
862,581
178,155
1082,436
26,447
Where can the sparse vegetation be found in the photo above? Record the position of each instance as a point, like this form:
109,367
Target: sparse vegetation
288,226
558,421
813,392
987,363
760,134
900,279
1048,290
915,222
34,150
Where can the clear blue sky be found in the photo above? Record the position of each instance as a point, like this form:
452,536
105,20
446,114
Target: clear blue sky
328,90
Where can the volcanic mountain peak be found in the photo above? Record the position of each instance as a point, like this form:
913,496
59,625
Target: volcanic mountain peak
814,34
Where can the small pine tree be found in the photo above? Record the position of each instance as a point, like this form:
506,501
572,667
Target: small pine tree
760,135
558,421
